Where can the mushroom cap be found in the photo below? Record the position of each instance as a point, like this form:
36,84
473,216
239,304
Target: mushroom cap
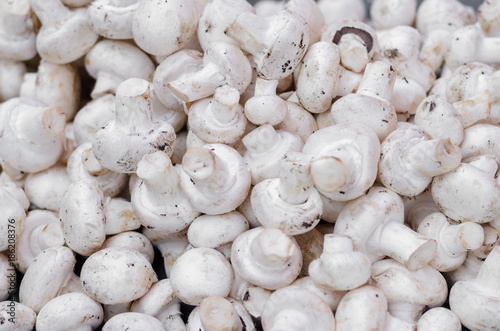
294,307
133,322
439,319
17,42
425,286
318,77
467,194
13,216
132,240
47,274
274,212
93,116
200,273
363,146
282,253
464,45
111,18
105,273
82,216
70,311
481,139
159,297
214,231
25,316
465,81
68,40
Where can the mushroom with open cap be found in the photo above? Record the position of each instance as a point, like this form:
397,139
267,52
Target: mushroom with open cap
82,216
112,18
340,267
345,158
277,43
32,135
106,268
476,301
133,129
410,159
65,34
200,273
70,311
290,202
266,257
357,42
111,62
296,308
46,277
374,222
370,104
215,178
223,63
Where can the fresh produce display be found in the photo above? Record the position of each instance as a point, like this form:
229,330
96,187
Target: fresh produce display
217,165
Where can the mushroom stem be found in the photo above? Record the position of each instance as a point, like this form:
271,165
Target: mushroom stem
337,243
92,165
49,12
333,172
489,274
459,238
159,176
41,125
432,157
45,236
265,86
474,109
405,245
217,313
250,31
295,183
133,105
198,85
225,104
15,16
105,83
272,248
378,80
262,140
348,82
353,52
205,168
409,312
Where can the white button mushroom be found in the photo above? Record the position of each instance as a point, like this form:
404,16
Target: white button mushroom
386,14
296,308
200,273
475,301
46,277
370,104
131,321
65,34
11,78
345,158
133,129
266,257
132,240
290,202
105,271
265,106
157,197
13,206
439,319
112,18
375,224
215,178
111,62
72,311
410,159
340,267
33,135
17,35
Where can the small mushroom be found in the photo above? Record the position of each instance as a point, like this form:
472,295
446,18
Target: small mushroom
370,104
17,35
289,203
133,322
157,197
111,62
82,216
65,34
277,43
266,257
112,18
468,299
340,267
439,319
224,64
132,240
133,128
70,311
296,308
345,158
32,135
265,106
200,273
104,270
215,178
374,222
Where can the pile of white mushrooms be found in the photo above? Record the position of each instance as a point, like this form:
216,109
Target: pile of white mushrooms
297,165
